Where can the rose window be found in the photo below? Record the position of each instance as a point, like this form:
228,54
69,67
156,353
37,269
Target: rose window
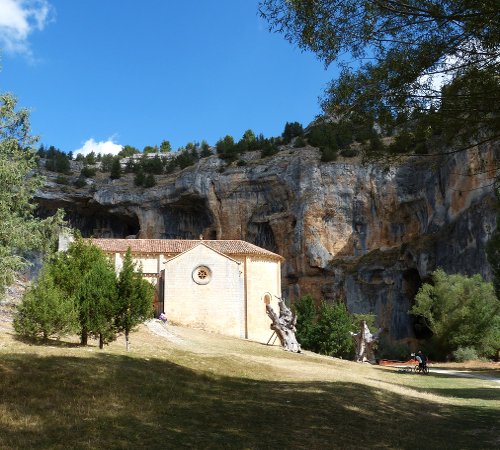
202,275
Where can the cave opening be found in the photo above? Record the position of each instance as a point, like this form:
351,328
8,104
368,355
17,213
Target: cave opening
411,285
262,235
94,221
187,218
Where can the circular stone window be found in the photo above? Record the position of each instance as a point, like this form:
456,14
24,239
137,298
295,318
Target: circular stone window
202,275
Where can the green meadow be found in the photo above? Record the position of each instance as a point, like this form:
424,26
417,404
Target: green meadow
202,390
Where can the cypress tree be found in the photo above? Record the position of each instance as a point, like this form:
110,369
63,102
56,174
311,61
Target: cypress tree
135,298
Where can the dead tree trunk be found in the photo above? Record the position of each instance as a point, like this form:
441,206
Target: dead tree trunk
365,343
284,326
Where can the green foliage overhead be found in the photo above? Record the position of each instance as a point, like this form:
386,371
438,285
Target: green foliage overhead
405,45
20,231
461,312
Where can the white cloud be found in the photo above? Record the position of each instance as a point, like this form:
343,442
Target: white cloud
102,147
18,19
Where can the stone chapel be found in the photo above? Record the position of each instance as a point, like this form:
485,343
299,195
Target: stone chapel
216,285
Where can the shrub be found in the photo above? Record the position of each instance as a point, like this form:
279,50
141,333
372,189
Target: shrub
45,311
61,180
299,142
149,181
241,163
80,182
292,130
139,178
305,311
387,349
88,172
460,311
328,154
332,335
116,169
326,329
349,152
462,354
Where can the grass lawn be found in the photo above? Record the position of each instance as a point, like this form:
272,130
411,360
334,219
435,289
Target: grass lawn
202,391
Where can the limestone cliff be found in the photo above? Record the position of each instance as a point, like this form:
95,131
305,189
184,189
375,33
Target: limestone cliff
366,233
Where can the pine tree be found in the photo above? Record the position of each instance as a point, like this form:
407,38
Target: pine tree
116,169
333,330
20,231
70,269
96,298
45,310
135,298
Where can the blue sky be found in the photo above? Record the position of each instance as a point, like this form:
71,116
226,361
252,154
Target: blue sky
137,73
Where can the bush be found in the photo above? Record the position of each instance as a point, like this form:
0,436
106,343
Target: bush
462,354
328,154
80,182
326,329
139,178
149,181
460,311
292,130
226,148
299,142
88,172
332,335
241,163
61,180
45,311
305,311
116,169
387,349
349,152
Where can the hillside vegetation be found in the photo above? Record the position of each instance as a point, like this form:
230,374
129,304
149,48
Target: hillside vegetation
192,389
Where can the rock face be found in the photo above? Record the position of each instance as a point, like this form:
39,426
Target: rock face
364,233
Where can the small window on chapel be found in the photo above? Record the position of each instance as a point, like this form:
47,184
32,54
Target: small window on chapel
202,275
267,299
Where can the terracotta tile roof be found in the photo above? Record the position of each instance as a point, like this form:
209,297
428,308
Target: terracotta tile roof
175,246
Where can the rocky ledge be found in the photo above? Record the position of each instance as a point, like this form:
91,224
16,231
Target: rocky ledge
368,234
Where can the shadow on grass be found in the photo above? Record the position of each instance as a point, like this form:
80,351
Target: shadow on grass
112,401
45,342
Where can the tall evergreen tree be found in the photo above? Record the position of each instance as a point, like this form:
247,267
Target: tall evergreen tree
96,298
135,298
70,269
116,169
20,231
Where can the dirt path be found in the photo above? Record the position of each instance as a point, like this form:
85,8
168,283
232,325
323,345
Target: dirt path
465,375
